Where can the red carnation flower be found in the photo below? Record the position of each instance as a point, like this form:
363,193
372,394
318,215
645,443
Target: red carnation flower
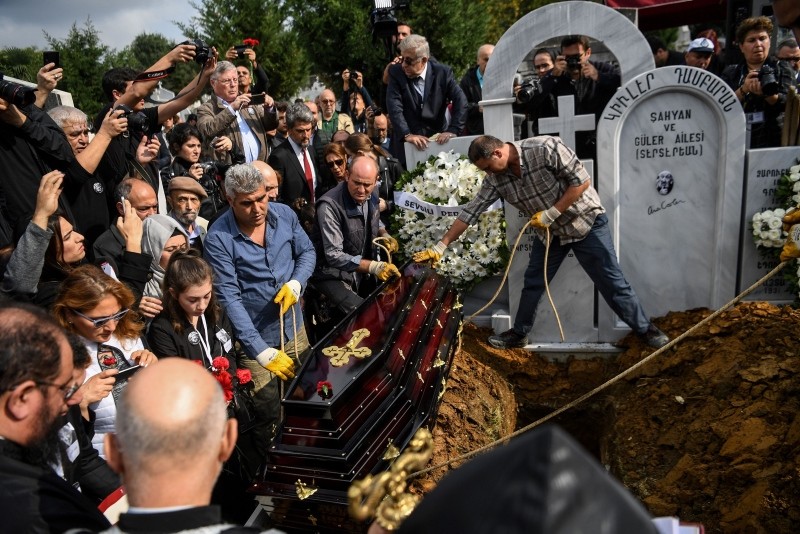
250,42
225,380
109,360
220,363
244,376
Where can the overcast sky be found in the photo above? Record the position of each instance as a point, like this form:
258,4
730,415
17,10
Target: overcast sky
22,21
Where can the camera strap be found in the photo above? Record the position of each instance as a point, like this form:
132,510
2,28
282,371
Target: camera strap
154,75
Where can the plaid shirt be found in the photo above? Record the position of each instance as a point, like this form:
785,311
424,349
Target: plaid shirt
548,167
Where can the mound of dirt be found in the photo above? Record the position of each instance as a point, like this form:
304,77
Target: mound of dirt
708,431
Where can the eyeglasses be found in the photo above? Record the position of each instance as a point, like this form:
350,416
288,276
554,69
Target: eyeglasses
411,60
102,321
335,163
230,81
794,60
183,248
327,101
68,389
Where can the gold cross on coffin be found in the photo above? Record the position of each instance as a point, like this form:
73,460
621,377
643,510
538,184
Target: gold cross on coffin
341,355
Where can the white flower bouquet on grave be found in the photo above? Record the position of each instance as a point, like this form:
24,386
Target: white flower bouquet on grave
444,181
768,233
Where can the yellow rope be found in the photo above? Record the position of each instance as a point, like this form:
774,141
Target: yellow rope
610,382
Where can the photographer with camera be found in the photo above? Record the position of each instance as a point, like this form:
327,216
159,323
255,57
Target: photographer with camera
186,143
237,117
133,153
591,83
352,83
530,98
244,57
472,85
761,82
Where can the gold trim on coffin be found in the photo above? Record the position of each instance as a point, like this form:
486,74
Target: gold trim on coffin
340,356
385,495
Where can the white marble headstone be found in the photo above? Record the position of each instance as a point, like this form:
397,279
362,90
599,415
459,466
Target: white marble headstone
572,290
764,168
670,147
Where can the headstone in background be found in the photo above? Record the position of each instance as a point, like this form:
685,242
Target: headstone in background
671,156
566,124
764,168
572,291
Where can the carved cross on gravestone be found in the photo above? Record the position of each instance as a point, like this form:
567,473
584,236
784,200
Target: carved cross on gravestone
567,123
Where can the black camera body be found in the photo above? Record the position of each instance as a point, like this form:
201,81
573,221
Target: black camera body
201,50
574,62
529,89
766,77
15,93
137,121
240,49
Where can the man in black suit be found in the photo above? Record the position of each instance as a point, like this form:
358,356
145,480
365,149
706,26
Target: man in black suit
38,384
296,161
171,438
418,96
472,85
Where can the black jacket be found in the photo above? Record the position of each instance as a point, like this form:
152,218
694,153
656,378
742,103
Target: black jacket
164,341
472,90
35,499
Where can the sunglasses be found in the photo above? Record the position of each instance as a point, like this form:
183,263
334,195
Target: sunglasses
335,163
102,321
68,389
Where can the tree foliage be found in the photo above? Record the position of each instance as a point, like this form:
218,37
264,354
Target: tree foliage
225,23
501,16
83,58
21,63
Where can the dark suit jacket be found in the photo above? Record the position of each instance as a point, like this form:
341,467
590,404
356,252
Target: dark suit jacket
294,185
214,120
441,88
177,521
472,90
35,499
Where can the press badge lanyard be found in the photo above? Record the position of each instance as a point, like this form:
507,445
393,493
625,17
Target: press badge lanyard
204,340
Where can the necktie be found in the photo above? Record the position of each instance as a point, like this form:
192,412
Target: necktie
419,87
309,174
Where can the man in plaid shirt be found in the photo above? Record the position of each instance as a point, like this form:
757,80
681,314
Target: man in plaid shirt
542,177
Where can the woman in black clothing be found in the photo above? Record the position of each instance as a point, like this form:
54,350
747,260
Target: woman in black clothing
192,325
761,83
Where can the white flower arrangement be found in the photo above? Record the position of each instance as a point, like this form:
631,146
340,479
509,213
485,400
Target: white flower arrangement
767,228
768,234
449,179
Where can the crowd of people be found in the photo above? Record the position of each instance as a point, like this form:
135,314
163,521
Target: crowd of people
215,240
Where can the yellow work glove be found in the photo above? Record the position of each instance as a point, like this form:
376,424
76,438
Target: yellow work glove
791,249
545,218
382,270
433,254
277,362
288,295
391,244
791,218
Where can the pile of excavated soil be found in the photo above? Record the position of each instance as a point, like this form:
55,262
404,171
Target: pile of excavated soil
708,431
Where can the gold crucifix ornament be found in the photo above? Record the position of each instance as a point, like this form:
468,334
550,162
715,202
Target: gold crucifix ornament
341,355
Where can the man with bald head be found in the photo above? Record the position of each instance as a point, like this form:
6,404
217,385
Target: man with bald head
172,436
330,120
38,384
472,85
347,220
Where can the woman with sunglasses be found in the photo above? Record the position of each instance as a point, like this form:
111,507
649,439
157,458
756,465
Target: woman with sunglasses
97,307
336,160
192,325
162,236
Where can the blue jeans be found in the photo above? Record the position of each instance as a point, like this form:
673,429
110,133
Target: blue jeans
596,255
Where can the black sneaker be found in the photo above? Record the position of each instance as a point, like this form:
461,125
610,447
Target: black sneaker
508,340
654,337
